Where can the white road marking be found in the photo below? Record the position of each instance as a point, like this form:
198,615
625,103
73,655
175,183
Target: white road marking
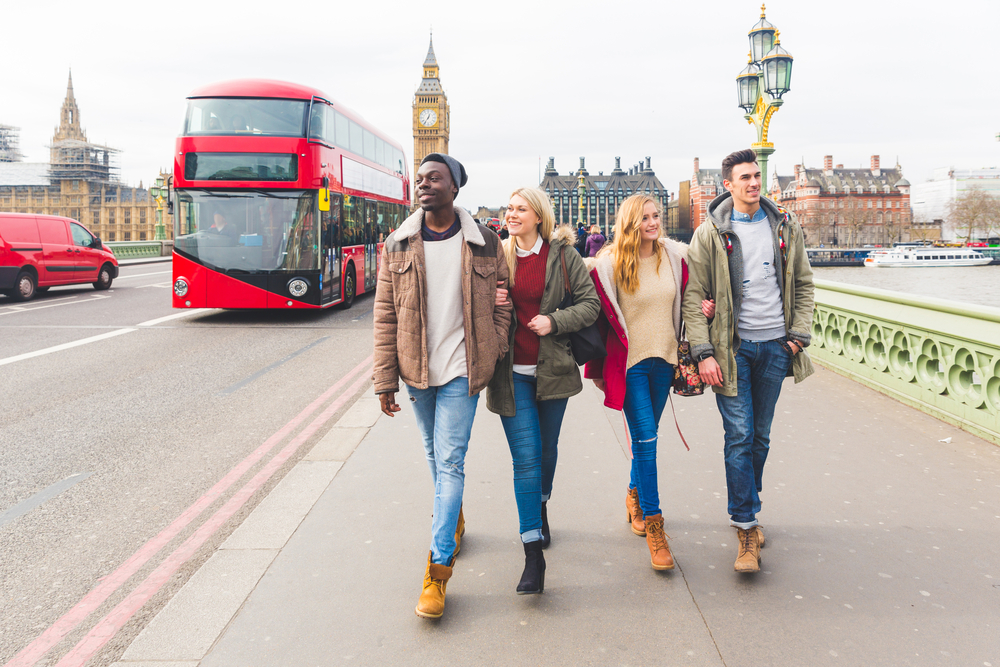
140,275
75,296
65,346
91,298
160,285
175,316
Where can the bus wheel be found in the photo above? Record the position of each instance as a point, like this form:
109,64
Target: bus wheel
103,278
349,289
24,286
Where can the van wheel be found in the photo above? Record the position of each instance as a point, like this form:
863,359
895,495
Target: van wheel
24,286
103,278
349,289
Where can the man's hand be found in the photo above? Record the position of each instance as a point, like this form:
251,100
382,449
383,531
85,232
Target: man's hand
710,372
501,294
541,325
388,403
794,346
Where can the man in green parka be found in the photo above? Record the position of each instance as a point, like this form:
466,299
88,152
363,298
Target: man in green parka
749,257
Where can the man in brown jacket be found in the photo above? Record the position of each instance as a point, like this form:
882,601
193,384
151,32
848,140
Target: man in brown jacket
437,327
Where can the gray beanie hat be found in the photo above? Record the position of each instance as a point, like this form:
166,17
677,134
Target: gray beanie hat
458,175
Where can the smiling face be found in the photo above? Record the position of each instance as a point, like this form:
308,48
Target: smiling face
745,185
649,227
521,218
434,187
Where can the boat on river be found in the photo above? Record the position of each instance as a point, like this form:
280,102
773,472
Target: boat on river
925,256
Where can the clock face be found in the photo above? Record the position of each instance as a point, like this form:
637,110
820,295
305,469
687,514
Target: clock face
428,118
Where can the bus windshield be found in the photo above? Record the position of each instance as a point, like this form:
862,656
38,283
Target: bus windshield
219,116
248,231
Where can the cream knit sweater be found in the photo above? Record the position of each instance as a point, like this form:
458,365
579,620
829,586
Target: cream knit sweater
649,313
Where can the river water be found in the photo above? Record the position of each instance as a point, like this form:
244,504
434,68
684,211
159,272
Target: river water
969,284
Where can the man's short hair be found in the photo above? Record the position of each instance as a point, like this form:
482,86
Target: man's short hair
739,157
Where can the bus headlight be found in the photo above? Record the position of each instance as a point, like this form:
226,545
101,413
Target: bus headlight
180,287
297,287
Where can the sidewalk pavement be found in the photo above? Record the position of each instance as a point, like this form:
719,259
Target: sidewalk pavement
883,548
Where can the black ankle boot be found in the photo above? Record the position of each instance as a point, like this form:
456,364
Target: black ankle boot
546,534
533,577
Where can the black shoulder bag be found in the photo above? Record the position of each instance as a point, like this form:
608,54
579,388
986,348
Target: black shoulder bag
586,343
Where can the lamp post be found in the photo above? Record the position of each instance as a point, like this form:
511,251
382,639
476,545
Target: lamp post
581,192
761,84
160,192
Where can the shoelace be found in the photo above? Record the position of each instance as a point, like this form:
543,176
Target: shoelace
659,538
745,540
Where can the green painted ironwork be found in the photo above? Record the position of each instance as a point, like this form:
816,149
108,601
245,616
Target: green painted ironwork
938,356
135,249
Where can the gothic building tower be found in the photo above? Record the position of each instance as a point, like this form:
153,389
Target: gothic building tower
431,114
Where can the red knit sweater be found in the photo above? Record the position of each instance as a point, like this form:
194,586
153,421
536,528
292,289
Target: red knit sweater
529,283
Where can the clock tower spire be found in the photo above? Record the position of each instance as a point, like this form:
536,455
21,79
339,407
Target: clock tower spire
431,114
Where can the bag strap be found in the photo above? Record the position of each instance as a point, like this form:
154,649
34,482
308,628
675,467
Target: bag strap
562,256
671,399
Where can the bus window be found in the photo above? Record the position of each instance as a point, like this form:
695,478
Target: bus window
398,160
343,131
357,143
330,125
380,152
369,140
228,116
317,120
354,221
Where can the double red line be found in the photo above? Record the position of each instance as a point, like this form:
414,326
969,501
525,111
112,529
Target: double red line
108,626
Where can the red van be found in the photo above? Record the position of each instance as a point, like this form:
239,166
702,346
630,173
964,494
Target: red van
41,251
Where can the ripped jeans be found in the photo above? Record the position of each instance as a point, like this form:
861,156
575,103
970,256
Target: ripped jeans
444,415
647,387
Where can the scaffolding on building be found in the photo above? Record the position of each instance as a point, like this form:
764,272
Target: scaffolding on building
10,138
72,159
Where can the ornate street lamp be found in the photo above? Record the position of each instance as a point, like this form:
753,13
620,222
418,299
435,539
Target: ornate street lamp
761,84
160,192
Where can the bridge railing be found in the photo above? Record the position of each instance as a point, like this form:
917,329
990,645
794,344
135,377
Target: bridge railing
935,355
140,249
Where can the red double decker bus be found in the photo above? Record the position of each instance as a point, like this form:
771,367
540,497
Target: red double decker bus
281,199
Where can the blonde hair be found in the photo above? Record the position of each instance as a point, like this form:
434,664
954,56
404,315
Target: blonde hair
594,229
624,249
541,205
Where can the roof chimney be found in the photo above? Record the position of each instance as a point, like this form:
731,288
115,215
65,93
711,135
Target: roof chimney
798,170
828,164
649,166
875,168
840,166
697,165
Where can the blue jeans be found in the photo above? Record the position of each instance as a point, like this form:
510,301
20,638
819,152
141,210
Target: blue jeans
533,437
445,415
761,367
647,387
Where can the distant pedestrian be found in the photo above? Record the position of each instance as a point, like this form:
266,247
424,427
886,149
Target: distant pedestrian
581,239
504,233
437,327
595,241
534,381
749,257
640,278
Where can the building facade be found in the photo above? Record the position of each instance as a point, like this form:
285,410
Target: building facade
706,185
850,207
932,200
80,182
601,195
431,113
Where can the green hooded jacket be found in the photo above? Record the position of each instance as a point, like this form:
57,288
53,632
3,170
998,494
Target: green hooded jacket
716,273
558,374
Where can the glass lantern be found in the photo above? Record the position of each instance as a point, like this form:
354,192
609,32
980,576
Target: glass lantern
777,71
747,85
761,38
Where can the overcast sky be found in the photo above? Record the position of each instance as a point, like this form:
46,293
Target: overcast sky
528,80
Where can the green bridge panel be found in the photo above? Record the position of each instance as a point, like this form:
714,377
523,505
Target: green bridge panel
135,249
935,355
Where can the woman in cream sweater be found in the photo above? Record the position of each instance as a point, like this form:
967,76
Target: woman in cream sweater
639,278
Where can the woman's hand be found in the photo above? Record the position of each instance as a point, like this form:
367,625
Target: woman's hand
599,383
708,308
501,294
541,325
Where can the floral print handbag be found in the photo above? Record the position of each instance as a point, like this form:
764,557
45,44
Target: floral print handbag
687,381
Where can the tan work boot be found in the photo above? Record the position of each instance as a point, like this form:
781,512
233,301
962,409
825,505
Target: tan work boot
760,536
635,513
459,532
659,553
748,559
431,602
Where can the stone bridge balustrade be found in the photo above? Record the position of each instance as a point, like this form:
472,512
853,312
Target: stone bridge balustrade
140,249
939,356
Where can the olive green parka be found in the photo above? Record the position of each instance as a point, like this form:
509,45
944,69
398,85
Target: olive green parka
558,374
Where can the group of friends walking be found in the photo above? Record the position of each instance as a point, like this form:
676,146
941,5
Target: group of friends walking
458,311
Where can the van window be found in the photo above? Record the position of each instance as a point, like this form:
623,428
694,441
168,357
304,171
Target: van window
81,236
53,230
15,229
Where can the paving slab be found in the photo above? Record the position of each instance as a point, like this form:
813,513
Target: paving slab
196,616
363,414
337,445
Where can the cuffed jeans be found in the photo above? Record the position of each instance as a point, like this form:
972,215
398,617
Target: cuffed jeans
761,367
647,388
444,415
533,438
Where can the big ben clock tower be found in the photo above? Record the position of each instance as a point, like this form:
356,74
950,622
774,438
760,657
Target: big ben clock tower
431,121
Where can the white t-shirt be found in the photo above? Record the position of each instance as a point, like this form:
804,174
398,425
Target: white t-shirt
445,315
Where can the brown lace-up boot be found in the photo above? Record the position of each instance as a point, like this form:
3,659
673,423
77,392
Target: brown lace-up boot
634,513
748,559
431,602
760,536
659,553
459,532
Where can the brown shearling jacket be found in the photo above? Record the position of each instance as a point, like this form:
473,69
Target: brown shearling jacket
401,306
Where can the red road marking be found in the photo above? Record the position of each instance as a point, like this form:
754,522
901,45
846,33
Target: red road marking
30,654
108,626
